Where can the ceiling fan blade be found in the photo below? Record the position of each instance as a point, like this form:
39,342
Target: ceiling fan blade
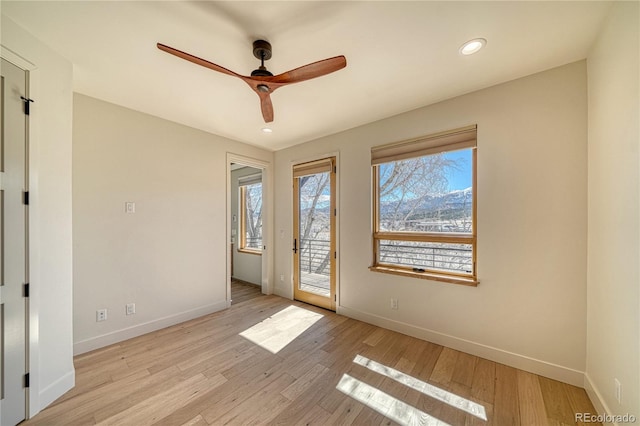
267,108
196,60
309,71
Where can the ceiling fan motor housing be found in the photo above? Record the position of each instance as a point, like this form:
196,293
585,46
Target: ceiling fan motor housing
262,50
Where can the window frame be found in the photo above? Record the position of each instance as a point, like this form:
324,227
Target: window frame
438,143
242,247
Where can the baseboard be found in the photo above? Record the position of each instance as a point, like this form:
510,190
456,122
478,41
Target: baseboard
542,368
55,390
596,398
144,328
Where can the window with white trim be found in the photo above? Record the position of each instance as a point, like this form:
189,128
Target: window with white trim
424,207
250,188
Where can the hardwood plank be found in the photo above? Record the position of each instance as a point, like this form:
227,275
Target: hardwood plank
424,368
464,369
483,383
445,366
138,392
375,337
305,402
164,403
300,385
580,403
532,409
506,410
269,396
451,413
346,412
399,390
475,421
556,402
242,386
196,421
315,416
206,356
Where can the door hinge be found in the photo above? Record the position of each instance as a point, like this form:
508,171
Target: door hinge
25,198
26,380
25,290
335,297
27,102
335,169
335,254
335,212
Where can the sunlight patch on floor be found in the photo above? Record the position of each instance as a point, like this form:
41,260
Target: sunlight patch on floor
282,328
385,404
427,389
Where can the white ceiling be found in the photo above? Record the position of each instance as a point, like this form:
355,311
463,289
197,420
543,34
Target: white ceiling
400,55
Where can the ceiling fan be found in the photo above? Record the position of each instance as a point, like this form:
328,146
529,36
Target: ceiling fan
261,80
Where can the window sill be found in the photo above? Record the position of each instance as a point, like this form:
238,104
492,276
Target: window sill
247,251
426,275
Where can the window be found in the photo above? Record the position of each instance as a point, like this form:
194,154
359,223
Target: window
424,207
250,214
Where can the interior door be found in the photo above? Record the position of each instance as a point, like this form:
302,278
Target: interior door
13,256
314,224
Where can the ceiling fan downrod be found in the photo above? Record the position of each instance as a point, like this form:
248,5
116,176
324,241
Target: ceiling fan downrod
262,51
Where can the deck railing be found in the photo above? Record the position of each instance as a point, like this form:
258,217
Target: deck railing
315,256
435,257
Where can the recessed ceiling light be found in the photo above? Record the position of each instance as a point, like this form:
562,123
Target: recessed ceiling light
266,130
472,46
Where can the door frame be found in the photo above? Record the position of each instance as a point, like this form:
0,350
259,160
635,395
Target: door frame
267,215
336,218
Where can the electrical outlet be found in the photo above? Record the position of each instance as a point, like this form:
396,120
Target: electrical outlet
281,278
618,390
394,303
131,308
130,207
101,315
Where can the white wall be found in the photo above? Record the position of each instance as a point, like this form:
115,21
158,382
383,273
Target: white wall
246,266
613,322
530,307
50,240
170,256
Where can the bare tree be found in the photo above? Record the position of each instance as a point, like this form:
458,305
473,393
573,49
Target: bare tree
405,184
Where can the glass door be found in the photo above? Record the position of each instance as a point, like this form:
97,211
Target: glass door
314,217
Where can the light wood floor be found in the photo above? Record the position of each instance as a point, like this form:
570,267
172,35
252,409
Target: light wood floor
242,291
339,371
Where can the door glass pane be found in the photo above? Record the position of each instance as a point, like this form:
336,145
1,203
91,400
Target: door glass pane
314,212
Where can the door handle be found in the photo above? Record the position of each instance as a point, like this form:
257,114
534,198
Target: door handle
295,245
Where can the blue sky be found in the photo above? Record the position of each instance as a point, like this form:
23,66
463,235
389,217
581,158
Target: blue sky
460,179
